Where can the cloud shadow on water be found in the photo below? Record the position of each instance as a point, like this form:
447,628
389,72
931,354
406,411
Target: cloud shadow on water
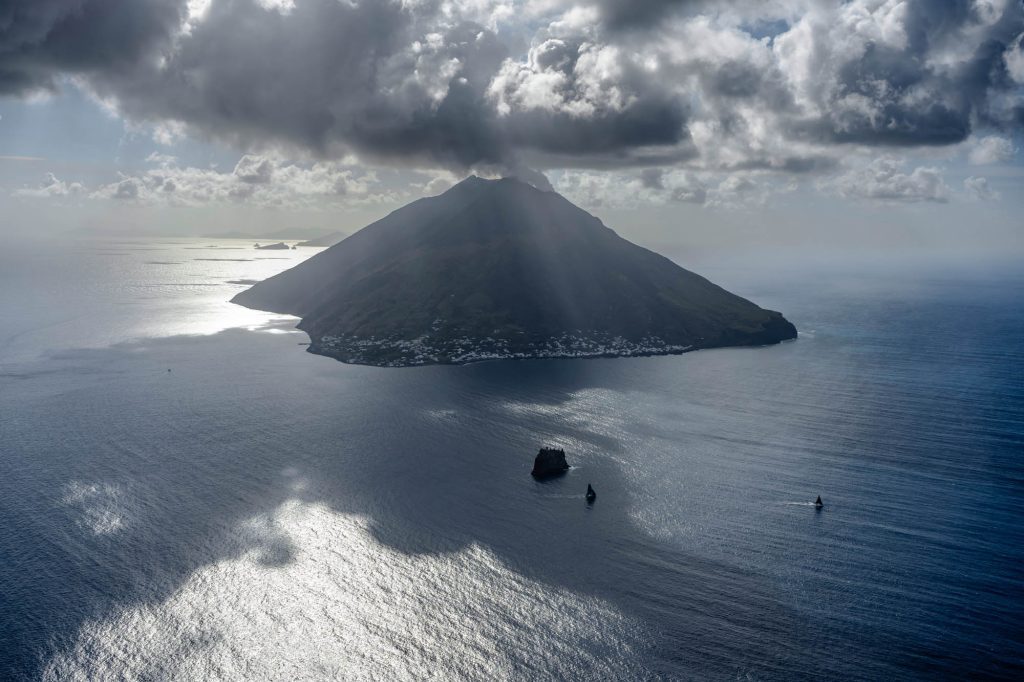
436,458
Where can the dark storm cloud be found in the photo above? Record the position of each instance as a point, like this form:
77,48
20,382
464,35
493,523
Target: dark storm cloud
41,38
651,121
331,76
457,131
791,164
734,79
427,84
246,72
324,76
916,98
886,76
637,14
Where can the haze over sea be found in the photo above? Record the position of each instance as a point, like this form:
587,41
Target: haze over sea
186,494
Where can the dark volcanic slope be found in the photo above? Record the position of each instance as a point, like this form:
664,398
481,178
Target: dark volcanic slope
497,268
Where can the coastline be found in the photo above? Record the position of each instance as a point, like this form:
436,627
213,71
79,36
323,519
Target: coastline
397,353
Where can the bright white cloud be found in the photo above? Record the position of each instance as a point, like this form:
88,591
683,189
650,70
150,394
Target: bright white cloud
979,189
658,187
51,187
256,180
1013,57
254,170
991,149
884,180
168,133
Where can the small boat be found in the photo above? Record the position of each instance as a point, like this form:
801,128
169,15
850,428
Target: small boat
591,495
818,503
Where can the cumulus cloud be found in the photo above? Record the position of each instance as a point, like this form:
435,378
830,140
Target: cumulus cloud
1013,58
743,190
51,186
254,170
576,98
979,189
885,180
991,149
257,180
657,186
394,82
685,187
168,133
782,86
600,190
652,186
126,189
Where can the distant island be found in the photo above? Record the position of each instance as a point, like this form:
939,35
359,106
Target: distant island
329,239
496,269
289,233
273,247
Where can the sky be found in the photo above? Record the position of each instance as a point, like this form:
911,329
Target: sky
886,126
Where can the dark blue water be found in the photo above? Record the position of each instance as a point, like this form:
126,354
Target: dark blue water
259,512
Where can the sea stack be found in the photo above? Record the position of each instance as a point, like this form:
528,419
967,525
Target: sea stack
549,462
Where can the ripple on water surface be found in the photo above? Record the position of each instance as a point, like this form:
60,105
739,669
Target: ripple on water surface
313,596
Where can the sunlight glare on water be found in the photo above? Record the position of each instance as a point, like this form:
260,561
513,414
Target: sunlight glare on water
261,512
318,598
130,290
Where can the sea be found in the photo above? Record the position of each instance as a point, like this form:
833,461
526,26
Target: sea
187,494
